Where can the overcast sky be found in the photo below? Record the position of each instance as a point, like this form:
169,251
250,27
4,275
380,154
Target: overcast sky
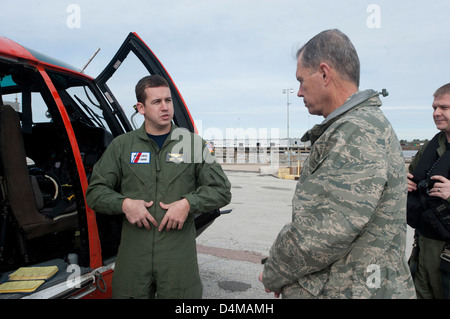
231,59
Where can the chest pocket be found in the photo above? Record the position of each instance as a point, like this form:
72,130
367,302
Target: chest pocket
317,156
178,171
138,171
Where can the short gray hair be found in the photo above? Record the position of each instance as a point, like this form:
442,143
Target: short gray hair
334,48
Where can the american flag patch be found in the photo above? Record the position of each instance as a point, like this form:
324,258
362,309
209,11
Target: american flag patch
140,158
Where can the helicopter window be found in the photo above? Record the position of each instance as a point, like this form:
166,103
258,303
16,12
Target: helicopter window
123,84
88,104
80,101
38,106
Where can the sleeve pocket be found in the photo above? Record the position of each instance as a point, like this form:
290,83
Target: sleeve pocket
315,282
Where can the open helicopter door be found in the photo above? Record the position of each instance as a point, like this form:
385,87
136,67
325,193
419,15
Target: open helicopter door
133,43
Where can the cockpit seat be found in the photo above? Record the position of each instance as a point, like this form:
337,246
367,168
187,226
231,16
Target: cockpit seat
17,182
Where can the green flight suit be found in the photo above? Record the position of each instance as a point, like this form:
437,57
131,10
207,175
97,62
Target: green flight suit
134,167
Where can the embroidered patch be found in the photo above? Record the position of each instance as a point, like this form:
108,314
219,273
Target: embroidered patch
140,158
174,158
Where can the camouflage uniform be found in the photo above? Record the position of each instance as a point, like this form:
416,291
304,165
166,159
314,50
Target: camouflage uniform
348,232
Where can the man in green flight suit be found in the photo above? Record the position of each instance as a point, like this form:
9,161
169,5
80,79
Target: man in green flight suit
158,176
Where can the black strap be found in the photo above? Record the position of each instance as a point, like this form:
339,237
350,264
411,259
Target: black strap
427,161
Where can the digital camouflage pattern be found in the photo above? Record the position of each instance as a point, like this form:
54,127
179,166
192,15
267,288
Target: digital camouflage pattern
348,232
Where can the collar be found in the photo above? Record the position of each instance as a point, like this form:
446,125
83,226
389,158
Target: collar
142,133
354,100
442,143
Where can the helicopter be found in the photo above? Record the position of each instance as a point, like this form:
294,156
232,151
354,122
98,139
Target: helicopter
55,123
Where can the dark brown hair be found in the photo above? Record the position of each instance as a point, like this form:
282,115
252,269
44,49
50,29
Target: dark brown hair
150,81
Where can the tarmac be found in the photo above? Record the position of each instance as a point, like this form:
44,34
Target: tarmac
231,249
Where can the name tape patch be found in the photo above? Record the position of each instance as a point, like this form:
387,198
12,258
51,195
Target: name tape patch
140,158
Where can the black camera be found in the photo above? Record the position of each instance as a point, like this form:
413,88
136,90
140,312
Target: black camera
425,185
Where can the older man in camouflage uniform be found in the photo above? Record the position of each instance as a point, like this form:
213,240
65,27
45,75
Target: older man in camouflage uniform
348,231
